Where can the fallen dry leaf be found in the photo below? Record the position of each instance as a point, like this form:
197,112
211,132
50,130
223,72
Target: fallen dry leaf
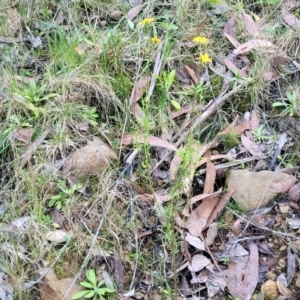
214,157
194,241
57,236
199,261
288,17
118,271
50,288
291,265
251,273
13,21
232,40
150,139
253,44
219,207
210,175
254,120
175,165
231,66
282,288
251,146
187,109
139,88
294,192
133,12
192,74
183,76
203,196
282,186
26,156
90,159
197,220
211,234
230,27
250,25
23,135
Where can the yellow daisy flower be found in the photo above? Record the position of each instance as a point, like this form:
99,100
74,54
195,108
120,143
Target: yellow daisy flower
200,40
205,58
147,21
155,40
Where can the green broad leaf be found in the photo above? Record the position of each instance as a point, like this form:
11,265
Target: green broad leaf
58,205
175,104
90,294
56,197
271,1
130,24
277,104
171,76
290,97
101,292
89,42
51,202
107,290
86,284
95,123
168,26
101,298
50,96
100,283
91,276
79,295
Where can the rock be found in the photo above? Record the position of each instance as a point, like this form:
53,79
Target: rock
253,189
116,15
269,290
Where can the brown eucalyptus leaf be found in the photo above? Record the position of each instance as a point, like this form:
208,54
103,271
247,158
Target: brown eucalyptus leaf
50,288
253,44
251,146
90,159
133,12
150,139
287,15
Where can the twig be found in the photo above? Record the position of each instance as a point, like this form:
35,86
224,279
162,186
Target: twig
233,163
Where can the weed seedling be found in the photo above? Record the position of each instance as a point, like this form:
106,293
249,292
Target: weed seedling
290,107
63,197
93,290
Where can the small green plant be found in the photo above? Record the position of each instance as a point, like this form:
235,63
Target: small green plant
35,93
259,134
168,292
290,107
166,80
94,289
90,115
225,260
63,197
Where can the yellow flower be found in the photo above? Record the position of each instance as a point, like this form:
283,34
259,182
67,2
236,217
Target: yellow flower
200,40
147,21
205,58
155,40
